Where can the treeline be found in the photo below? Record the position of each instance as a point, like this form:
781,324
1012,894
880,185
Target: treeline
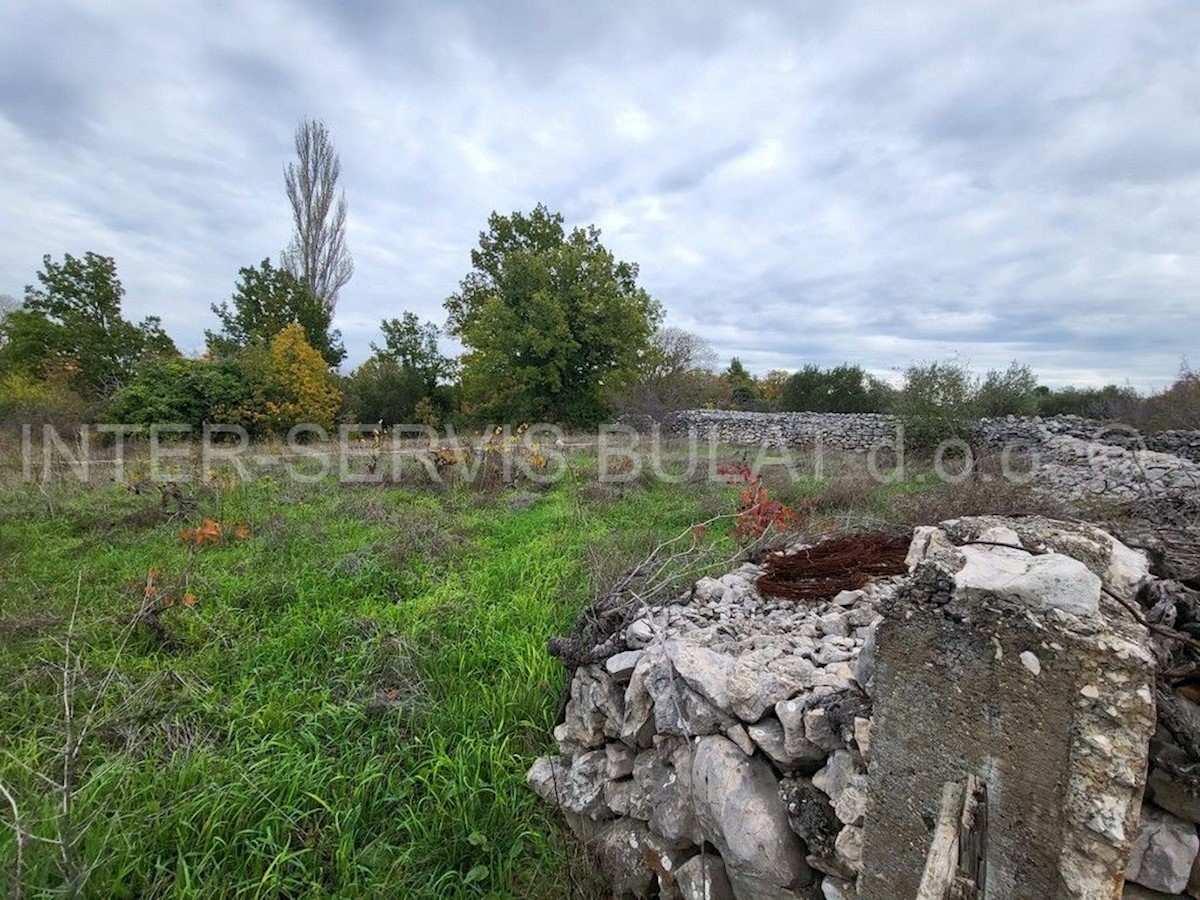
554,329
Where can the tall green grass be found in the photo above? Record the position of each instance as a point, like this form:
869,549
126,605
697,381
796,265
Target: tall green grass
349,708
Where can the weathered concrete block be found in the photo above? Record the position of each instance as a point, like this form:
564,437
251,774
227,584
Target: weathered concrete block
1062,749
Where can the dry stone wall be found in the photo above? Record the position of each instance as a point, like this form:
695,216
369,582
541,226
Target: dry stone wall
860,432
1072,456
739,746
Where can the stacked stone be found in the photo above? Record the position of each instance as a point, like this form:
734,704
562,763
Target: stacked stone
1079,468
1035,431
1178,443
854,432
724,754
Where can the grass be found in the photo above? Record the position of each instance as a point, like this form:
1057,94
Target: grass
350,705
348,708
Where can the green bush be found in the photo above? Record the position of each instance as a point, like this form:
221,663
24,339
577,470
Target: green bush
939,402
842,389
1179,405
1011,392
28,400
182,391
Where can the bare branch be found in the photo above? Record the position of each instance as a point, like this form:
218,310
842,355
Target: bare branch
317,256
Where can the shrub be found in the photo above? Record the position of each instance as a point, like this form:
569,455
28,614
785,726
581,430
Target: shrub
27,400
938,403
842,389
185,391
1011,392
1179,405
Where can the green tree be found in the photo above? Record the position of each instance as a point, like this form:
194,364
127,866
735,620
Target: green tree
743,390
938,402
185,391
265,301
1012,391
552,322
71,326
842,389
414,346
383,390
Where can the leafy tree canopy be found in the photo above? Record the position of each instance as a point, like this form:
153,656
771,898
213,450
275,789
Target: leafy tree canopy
551,321
71,326
842,389
184,391
293,384
265,301
413,345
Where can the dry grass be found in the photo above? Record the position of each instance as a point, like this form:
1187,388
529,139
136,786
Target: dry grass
978,495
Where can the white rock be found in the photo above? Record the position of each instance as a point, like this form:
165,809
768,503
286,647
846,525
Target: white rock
1050,580
849,846
620,665
1030,661
852,804
639,633
862,736
836,774
848,598
836,889
703,877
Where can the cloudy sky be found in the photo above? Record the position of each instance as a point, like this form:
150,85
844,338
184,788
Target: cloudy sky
800,181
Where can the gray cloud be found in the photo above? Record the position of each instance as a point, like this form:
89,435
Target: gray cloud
813,182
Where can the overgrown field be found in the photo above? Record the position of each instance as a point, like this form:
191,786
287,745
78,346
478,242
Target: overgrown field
276,689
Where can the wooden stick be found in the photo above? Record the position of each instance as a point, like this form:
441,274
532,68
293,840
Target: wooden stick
941,865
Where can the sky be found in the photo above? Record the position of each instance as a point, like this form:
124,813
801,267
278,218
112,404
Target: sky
799,182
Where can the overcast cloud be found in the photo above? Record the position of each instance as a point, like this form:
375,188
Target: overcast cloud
800,182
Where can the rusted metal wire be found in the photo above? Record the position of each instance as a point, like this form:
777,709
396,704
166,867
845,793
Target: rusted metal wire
842,563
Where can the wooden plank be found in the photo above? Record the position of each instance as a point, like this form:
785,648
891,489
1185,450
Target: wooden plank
941,865
956,867
972,835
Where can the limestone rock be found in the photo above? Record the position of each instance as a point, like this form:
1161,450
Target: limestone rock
741,813
1163,852
849,845
837,889
1049,580
747,685
769,736
595,710
621,846
577,787
620,760
621,665
837,774
637,725
703,877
